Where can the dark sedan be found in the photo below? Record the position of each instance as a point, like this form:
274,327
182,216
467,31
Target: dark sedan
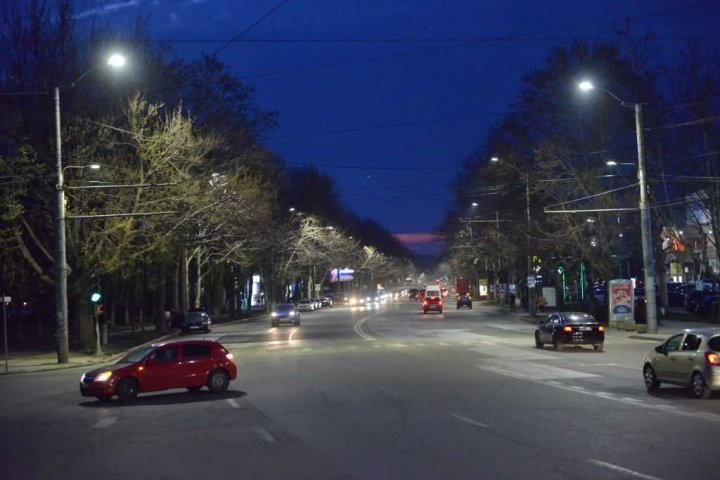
285,313
570,328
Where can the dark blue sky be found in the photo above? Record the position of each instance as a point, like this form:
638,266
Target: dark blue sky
393,119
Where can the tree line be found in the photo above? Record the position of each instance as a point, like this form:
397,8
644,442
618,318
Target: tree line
188,204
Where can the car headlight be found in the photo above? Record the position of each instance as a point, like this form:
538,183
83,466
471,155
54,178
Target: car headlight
273,314
103,376
292,314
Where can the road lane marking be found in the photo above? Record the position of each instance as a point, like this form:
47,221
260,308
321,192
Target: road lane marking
290,339
619,469
264,434
358,329
104,422
233,403
605,395
444,344
468,420
387,390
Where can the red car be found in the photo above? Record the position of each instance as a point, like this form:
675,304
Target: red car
190,364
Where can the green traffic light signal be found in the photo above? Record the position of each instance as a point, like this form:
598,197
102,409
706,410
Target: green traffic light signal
95,297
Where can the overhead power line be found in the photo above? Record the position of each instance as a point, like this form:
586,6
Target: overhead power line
250,27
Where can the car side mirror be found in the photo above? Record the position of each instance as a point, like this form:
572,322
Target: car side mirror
661,349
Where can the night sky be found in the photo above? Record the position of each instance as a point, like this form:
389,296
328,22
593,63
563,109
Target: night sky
391,96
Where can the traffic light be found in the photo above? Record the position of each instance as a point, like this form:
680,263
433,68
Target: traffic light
100,309
95,297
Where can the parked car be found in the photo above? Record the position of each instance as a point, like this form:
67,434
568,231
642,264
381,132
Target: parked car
194,321
327,301
306,305
677,293
190,364
285,313
570,328
690,358
702,302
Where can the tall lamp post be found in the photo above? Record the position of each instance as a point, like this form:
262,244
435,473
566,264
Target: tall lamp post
648,257
61,304
532,293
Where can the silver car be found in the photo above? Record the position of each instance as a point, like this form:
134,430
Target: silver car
690,359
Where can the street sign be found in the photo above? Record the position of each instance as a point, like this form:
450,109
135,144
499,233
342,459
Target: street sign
531,282
7,299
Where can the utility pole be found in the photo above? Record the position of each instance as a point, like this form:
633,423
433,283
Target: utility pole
645,230
532,293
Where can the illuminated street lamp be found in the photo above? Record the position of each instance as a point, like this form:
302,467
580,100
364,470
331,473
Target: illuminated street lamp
61,306
648,260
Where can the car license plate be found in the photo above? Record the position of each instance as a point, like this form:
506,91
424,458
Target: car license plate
586,329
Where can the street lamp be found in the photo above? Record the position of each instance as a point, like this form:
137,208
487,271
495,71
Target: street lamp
531,274
61,305
648,260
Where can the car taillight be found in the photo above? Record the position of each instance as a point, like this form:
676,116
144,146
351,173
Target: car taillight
567,329
712,358
601,328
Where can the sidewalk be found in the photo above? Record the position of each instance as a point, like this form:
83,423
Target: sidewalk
120,342
665,327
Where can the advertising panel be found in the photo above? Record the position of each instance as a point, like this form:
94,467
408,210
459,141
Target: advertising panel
620,301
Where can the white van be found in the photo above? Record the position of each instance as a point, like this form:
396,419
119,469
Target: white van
433,299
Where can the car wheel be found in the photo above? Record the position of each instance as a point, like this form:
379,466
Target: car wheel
127,389
424,311
699,389
218,381
194,389
599,347
440,311
470,306
558,345
207,330
538,343
651,381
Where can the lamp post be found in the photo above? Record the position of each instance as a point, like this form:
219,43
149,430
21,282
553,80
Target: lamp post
645,230
532,294
61,304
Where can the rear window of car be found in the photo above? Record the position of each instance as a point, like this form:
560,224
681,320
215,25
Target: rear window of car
193,351
714,343
579,318
431,292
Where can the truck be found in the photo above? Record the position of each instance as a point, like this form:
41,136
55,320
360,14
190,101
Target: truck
463,293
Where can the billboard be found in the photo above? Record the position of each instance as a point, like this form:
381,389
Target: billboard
340,275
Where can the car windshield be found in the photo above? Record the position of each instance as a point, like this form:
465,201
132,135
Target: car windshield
137,355
285,307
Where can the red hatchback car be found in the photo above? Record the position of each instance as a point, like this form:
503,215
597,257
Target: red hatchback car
190,364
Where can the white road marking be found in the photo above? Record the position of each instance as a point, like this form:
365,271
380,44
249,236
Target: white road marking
358,329
291,334
104,422
444,344
387,390
541,372
605,395
233,403
626,471
469,420
264,434
419,344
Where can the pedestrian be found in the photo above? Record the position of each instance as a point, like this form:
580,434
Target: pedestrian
511,299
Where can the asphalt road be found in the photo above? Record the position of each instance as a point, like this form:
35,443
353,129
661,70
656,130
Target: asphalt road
372,394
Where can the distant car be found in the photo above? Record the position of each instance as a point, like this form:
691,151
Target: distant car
327,301
195,321
190,364
306,305
690,359
318,303
464,301
285,313
432,300
413,293
570,328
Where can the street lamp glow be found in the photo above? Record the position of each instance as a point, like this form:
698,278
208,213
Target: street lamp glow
116,60
495,159
586,86
474,204
611,163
